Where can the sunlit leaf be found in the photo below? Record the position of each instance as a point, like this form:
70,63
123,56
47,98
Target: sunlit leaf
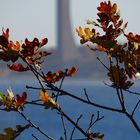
47,100
14,46
2,97
5,33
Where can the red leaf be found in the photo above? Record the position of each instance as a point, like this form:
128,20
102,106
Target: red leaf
18,67
44,41
20,100
72,71
6,34
132,37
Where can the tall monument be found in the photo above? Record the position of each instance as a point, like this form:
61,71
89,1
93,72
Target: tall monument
67,49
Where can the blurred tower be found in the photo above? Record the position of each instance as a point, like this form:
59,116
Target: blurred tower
66,48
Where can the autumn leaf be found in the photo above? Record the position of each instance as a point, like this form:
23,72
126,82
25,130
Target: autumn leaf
44,41
14,46
47,100
11,103
11,134
54,77
18,67
5,33
119,78
97,136
20,100
133,38
72,71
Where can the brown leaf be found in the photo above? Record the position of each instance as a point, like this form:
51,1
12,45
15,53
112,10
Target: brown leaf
18,67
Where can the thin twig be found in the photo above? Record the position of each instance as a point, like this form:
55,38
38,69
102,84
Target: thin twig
91,121
98,118
36,73
73,123
78,119
34,137
64,127
131,92
135,108
59,88
66,116
117,89
102,63
121,91
90,103
133,121
31,87
82,100
86,95
127,90
33,125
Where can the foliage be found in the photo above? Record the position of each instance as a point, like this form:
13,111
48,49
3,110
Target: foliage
11,134
123,67
123,58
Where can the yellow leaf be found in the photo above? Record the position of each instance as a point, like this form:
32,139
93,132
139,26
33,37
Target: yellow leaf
47,100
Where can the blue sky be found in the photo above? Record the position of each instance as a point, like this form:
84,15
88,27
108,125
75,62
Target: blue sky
37,18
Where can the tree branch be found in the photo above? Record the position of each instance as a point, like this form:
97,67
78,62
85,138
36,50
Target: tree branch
33,125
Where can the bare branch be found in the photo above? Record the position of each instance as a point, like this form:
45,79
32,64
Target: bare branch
98,118
34,137
33,125
132,92
64,127
73,123
59,88
136,106
86,95
78,119
102,63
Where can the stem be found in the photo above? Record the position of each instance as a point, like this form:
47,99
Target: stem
90,103
64,127
80,99
59,89
78,119
33,125
135,108
36,75
73,123
117,89
133,121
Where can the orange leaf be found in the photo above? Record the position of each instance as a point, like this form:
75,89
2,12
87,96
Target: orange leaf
44,96
5,34
18,67
20,100
72,71
54,77
15,47
47,100
100,48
